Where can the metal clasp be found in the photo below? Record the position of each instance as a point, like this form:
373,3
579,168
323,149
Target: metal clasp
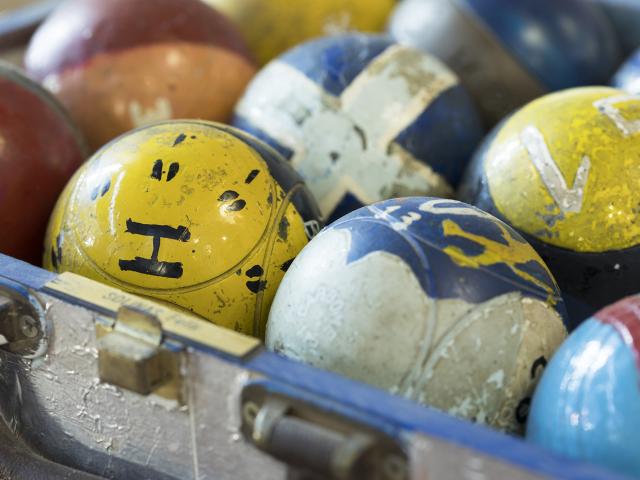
131,355
324,443
23,327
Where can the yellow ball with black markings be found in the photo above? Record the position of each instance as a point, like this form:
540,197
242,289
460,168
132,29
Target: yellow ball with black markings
565,171
273,26
193,213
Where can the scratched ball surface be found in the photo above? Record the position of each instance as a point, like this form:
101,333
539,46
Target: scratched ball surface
429,298
510,52
273,26
193,213
121,64
587,405
40,149
564,171
363,119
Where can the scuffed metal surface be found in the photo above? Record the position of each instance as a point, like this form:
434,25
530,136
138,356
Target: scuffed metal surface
431,458
59,406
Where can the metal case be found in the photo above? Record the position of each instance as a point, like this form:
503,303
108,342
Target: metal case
195,401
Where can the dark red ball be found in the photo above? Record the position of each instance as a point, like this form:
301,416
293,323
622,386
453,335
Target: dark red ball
39,150
121,64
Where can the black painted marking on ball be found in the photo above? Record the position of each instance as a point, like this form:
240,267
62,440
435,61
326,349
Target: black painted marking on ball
283,228
237,206
101,189
252,176
228,196
540,362
56,252
105,188
362,135
334,157
54,259
152,266
522,410
181,138
255,271
270,198
285,266
173,171
257,286
156,170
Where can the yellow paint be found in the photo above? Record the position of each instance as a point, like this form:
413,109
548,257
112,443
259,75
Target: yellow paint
222,244
273,26
512,254
174,322
572,128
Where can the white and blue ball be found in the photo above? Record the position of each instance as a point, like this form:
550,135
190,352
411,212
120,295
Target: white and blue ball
627,77
363,119
625,17
429,298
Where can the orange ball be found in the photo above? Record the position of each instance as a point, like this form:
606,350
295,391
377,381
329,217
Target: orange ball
121,64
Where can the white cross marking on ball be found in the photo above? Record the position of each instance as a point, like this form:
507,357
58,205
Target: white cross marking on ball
329,135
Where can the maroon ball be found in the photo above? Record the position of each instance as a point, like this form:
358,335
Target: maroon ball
39,151
121,64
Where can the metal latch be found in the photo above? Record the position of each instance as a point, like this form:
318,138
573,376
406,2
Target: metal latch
131,355
319,442
23,329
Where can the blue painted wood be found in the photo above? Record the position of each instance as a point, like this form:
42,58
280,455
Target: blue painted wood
393,415
26,274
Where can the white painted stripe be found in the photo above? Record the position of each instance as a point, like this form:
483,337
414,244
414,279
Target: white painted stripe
394,89
141,117
280,100
607,106
433,206
568,199
342,145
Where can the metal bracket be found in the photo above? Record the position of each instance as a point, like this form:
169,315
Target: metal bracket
321,442
131,355
23,327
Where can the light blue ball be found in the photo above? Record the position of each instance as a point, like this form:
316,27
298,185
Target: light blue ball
587,405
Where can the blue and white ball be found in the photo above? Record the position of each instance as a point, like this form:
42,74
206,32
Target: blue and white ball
363,119
625,17
627,77
429,298
509,52
587,405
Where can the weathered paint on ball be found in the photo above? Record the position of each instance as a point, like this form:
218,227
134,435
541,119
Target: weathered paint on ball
563,170
192,213
508,53
627,77
587,405
363,119
118,64
429,298
40,149
273,26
